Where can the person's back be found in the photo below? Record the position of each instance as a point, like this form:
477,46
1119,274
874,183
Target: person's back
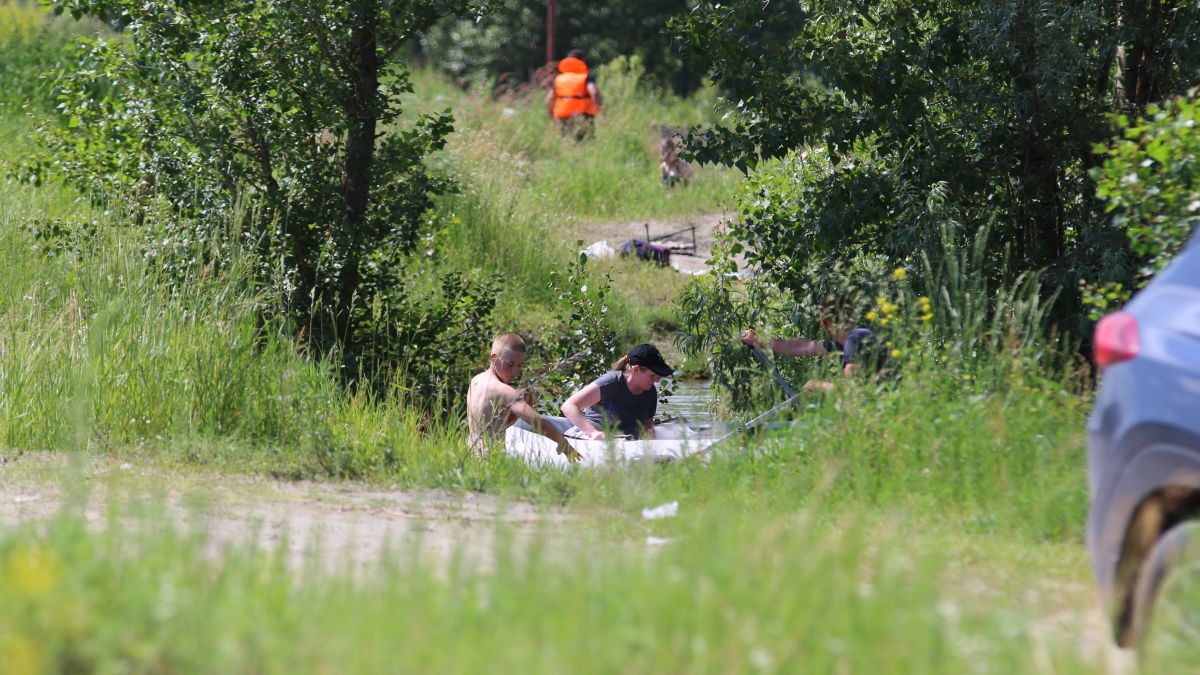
488,408
574,99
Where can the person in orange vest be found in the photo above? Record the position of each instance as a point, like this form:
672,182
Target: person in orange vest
574,100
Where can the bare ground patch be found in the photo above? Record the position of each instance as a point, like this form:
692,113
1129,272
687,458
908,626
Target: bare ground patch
616,233
339,523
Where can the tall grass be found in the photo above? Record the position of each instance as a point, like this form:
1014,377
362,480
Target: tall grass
732,592
611,176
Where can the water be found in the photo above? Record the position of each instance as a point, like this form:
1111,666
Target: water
690,399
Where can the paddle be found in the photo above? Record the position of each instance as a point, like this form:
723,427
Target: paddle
775,375
752,423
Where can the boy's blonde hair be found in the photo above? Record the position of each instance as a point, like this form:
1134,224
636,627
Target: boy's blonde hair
510,342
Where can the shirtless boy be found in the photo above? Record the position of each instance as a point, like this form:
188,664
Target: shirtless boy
493,404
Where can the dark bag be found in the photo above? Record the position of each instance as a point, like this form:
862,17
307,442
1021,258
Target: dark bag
647,251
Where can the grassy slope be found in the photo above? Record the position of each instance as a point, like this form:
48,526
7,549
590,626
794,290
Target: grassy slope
854,522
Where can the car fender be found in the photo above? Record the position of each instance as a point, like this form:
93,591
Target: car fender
1158,480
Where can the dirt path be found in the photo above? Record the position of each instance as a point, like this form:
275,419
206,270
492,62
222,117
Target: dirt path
616,233
342,523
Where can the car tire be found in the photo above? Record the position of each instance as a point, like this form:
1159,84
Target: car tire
1166,617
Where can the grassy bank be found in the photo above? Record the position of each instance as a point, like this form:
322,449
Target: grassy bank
730,592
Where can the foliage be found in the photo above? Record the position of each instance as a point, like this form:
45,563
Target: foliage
993,106
946,312
1150,180
281,113
581,346
427,338
855,595
508,46
31,44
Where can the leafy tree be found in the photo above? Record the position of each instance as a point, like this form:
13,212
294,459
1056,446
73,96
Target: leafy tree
892,119
1151,180
283,116
511,43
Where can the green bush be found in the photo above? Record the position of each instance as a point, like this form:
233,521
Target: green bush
1150,180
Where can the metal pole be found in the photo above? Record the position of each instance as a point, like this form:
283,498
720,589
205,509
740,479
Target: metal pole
551,10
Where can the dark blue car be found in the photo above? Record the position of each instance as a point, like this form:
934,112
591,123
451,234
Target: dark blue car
1144,446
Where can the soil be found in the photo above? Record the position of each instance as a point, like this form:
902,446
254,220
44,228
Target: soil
342,523
706,224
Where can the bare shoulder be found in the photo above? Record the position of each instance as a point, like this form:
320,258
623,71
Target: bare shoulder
486,385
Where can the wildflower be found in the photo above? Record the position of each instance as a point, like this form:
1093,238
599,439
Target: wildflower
32,570
896,353
926,317
966,378
872,315
898,274
20,655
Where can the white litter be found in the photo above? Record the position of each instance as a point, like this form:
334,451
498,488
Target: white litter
21,499
668,510
600,249
657,541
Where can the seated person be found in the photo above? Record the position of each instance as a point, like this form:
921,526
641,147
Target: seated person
624,397
493,404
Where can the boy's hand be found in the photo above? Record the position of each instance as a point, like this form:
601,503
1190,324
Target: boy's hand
596,435
818,385
572,454
750,338
529,396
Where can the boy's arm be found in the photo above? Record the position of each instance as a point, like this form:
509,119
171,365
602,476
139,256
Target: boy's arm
787,346
523,410
550,100
594,92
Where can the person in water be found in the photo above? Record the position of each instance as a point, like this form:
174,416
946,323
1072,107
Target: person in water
623,398
857,345
493,404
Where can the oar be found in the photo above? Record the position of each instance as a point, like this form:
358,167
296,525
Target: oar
752,423
775,375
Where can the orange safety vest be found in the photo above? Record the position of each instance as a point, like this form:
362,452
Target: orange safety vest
570,90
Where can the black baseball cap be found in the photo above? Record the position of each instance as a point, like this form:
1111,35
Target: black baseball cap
648,356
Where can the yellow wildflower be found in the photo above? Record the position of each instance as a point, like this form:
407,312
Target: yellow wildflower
896,353
32,570
898,274
21,656
926,317
872,315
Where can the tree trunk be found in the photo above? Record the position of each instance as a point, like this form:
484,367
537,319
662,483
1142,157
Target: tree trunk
362,111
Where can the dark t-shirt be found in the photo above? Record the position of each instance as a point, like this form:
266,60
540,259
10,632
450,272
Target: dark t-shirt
860,346
619,407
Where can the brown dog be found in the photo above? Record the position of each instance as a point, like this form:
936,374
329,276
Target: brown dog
672,167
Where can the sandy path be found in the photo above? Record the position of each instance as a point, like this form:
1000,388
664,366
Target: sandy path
341,523
616,233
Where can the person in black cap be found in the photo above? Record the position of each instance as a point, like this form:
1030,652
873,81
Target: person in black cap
624,397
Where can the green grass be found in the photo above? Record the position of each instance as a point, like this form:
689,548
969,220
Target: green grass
913,529
731,592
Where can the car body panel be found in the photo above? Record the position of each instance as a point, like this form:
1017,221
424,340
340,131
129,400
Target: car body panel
1144,431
